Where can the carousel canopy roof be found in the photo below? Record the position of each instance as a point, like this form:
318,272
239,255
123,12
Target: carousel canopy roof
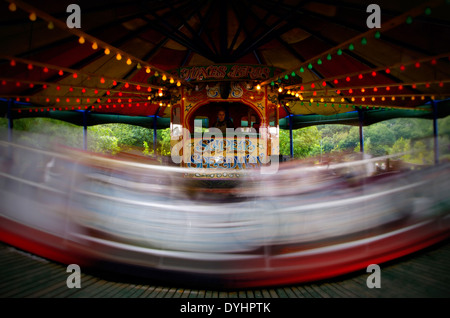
329,57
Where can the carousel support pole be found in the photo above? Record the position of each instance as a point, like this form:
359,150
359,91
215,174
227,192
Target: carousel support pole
291,138
10,120
155,131
435,132
361,131
85,130
291,127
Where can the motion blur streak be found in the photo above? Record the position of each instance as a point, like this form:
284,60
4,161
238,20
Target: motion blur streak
304,223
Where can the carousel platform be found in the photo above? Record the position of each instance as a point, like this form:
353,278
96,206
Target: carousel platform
423,274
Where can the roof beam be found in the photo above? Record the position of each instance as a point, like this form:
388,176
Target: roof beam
357,29
270,33
77,32
195,34
174,33
204,21
223,27
250,41
388,25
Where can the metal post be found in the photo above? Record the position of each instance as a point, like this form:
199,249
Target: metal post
435,132
291,136
85,130
10,120
320,150
155,132
155,135
361,132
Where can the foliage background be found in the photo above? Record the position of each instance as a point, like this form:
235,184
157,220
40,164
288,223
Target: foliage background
388,137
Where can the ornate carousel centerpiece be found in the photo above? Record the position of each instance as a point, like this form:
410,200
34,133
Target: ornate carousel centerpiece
224,122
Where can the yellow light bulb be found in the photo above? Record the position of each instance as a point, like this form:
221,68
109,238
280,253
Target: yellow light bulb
94,46
118,56
164,77
107,51
258,87
81,40
50,25
171,81
280,89
33,16
129,61
147,69
12,7
178,83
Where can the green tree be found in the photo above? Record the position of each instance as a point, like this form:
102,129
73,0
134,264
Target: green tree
163,146
101,139
401,146
305,140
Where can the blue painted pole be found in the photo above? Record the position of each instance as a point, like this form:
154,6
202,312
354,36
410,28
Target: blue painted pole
10,120
85,130
291,136
155,131
361,131
155,134
435,132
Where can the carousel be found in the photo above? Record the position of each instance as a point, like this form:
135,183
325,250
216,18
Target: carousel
225,77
